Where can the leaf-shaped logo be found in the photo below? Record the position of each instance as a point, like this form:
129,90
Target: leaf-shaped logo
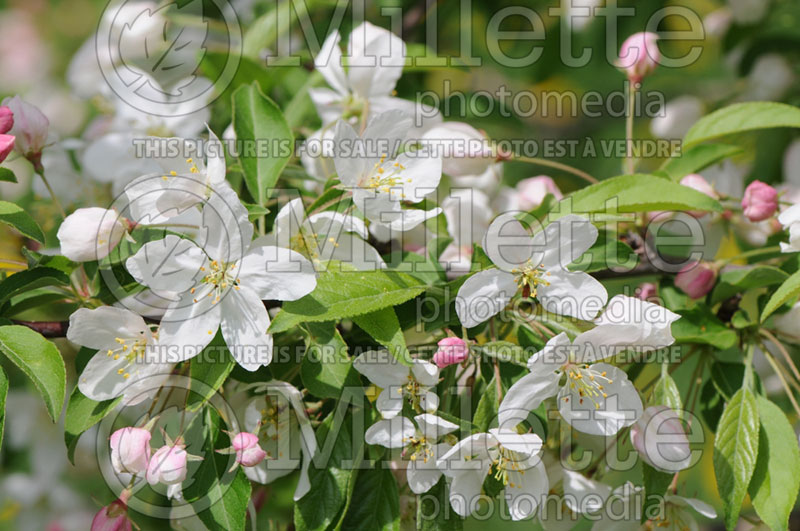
167,43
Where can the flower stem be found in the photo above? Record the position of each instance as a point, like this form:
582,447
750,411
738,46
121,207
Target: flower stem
630,165
557,165
40,171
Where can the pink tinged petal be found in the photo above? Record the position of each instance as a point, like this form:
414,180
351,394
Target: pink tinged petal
525,395
167,466
507,243
660,439
170,264
452,350
576,294
391,433
276,273
6,146
130,450
114,517
244,323
483,296
6,119
100,328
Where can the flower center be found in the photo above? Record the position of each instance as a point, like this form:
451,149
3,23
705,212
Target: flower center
529,277
418,448
413,393
505,461
382,179
129,349
589,383
220,277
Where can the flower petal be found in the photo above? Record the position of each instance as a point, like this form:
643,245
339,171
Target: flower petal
577,294
276,273
391,433
170,264
507,243
99,328
525,395
244,323
483,296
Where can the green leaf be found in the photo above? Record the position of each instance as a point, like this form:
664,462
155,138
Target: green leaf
383,327
606,253
696,158
699,325
332,485
656,484
7,176
737,280
635,193
742,117
83,413
788,290
776,480
326,368
3,395
40,360
665,393
431,510
211,367
486,411
266,142
735,452
12,215
30,279
343,294
377,503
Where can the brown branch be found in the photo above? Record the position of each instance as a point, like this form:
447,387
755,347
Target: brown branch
46,328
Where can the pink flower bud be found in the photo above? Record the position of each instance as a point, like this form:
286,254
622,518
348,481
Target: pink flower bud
168,465
451,350
658,436
697,182
639,55
248,452
696,279
30,127
532,191
6,146
6,119
760,201
113,517
130,450
647,291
